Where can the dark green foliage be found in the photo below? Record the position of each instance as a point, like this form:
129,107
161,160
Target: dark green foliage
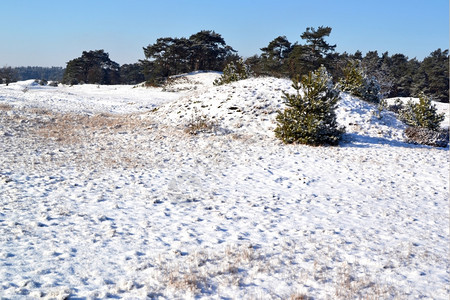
310,118
423,114
316,39
205,50
399,76
318,47
357,83
273,56
49,74
378,67
434,75
92,67
234,71
352,81
371,90
385,75
301,60
8,75
132,73
255,65
209,51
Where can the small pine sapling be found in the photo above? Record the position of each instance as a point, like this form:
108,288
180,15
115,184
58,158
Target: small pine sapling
234,71
353,79
310,118
357,83
423,114
424,122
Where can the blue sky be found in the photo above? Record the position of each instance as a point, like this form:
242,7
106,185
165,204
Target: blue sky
50,33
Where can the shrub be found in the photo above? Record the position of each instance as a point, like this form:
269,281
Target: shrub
371,90
310,118
353,79
425,136
357,83
423,114
234,71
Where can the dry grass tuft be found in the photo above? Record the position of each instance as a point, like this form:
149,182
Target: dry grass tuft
5,107
200,124
74,128
349,286
299,296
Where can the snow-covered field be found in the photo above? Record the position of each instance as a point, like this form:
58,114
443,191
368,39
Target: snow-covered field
103,193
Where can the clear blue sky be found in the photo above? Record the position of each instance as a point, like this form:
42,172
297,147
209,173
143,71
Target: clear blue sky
50,33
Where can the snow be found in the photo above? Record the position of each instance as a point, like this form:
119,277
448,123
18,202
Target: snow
104,194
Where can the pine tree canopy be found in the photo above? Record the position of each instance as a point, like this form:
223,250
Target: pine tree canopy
92,67
316,39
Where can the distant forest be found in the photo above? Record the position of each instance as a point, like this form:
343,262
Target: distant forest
398,75
49,74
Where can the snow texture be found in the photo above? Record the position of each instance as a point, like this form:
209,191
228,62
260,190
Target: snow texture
103,193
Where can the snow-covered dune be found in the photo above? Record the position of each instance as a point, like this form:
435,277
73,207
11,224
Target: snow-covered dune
103,193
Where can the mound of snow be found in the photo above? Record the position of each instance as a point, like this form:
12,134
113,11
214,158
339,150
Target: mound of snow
250,107
190,81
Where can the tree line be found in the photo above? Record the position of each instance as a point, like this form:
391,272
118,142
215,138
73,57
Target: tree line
397,75
9,74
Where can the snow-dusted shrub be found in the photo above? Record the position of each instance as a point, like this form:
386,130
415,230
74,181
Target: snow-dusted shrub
371,90
357,83
423,114
310,118
425,136
234,71
353,79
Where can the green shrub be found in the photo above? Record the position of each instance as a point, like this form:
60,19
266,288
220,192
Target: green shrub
371,90
358,84
310,118
423,114
353,79
234,71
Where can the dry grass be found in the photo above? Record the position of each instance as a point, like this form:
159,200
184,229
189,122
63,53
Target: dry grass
5,107
73,128
103,140
209,273
200,124
204,272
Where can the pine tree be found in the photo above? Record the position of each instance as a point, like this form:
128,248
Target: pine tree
310,118
273,56
7,75
234,71
423,114
357,83
92,67
371,90
353,79
436,69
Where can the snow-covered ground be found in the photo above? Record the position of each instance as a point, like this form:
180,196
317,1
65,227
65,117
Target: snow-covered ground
103,193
